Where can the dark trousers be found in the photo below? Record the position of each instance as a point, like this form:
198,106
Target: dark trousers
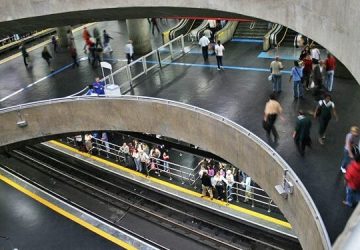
306,79
205,52
25,61
129,58
271,126
323,125
219,61
301,144
75,62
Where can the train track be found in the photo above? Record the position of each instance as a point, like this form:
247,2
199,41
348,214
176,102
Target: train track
206,228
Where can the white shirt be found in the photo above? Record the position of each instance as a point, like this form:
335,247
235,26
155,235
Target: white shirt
315,53
204,41
328,104
129,49
212,23
219,50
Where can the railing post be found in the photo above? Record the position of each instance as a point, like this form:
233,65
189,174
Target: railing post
237,192
128,72
171,51
144,65
182,44
158,57
269,208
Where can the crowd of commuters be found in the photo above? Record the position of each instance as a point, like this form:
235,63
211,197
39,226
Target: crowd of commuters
310,72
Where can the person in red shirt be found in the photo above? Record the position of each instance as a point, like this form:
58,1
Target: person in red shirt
352,178
307,62
330,70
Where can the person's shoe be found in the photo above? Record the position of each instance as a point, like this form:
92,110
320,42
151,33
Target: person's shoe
347,203
202,196
230,199
218,69
321,141
279,91
307,89
211,198
343,170
324,137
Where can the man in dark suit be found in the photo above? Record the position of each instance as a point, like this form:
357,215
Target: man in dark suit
301,133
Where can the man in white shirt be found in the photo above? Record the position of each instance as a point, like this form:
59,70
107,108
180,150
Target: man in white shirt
315,55
204,43
129,51
219,51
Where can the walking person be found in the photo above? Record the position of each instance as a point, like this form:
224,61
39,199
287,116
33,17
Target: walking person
315,54
70,38
107,47
330,63
272,110
318,78
129,51
54,43
323,111
73,54
154,24
219,51
275,69
204,43
352,178
296,76
46,55
351,143
307,71
301,133
24,54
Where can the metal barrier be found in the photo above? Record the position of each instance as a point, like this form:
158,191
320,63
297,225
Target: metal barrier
167,168
251,193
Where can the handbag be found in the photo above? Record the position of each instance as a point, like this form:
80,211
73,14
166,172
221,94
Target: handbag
270,77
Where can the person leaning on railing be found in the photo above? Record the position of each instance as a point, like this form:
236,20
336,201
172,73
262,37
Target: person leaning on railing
125,150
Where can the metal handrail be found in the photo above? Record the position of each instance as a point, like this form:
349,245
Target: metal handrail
277,158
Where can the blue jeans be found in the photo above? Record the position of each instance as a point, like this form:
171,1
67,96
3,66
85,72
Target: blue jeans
346,159
229,191
298,89
276,80
329,80
138,164
352,196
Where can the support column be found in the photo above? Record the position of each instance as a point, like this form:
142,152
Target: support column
139,33
64,39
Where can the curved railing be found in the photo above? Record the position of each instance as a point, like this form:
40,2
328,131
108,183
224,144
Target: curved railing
305,198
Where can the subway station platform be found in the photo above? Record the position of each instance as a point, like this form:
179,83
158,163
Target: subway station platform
239,92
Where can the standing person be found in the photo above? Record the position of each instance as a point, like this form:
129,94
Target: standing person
105,139
24,53
352,178
307,70
206,185
275,69
296,76
166,159
219,186
304,53
137,160
125,150
219,51
129,51
323,112
107,47
301,133
73,54
204,43
330,63
315,54
46,55
351,141
272,110
99,86
154,24
54,43
229,179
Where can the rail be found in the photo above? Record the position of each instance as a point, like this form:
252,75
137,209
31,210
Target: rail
158,58
185,174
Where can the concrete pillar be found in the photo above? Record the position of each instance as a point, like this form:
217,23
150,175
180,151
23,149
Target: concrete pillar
63,38
139,33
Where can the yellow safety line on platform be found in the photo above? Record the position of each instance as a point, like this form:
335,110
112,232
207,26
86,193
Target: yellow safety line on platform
176,187
39,45
67,214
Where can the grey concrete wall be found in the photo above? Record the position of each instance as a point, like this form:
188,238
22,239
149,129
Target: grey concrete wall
187,123
332,23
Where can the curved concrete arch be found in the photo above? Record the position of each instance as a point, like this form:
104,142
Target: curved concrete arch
181,121
330,23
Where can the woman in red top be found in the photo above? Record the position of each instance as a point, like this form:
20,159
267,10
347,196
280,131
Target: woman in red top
352,178
330,70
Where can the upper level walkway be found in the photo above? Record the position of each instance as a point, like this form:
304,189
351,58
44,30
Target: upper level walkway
239,93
